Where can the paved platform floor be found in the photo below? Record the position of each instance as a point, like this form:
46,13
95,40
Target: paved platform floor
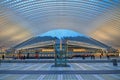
60,77
47,66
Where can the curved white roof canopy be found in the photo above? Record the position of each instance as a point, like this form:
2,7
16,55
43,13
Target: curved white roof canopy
23,19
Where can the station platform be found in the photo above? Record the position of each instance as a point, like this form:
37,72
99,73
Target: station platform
44,71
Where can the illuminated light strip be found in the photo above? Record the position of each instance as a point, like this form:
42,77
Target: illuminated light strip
47,50
79,50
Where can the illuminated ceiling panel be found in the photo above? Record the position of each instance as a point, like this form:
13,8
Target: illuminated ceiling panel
23,19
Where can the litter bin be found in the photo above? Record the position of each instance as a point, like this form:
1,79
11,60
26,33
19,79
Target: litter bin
114,62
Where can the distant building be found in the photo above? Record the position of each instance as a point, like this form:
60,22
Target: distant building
61,41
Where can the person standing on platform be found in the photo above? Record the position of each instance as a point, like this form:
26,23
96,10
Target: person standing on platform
93,56
24,57
13,57
100,56
108,57
36,55
28,55
83,57
3,57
